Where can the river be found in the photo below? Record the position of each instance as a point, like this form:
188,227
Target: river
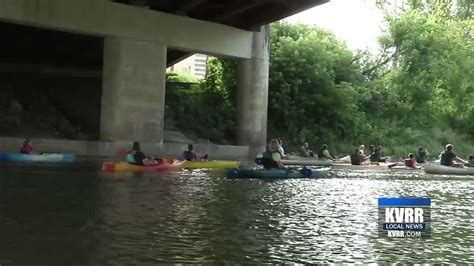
75,215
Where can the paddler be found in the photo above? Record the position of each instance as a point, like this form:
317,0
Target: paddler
357,158
470,161
410,161
376,155
448,157
190,155
271,157
323,153
361,150
137,157
305,151
421,155
27,147
281,150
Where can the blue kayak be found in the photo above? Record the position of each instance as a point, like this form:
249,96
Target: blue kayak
278,173
49,157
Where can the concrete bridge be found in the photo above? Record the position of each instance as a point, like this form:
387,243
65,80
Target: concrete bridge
142,37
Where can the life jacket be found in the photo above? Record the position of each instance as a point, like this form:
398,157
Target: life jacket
131,158
356,159
189,155
375,156
321,154
26,149
410,163
420,157
447,158
267,159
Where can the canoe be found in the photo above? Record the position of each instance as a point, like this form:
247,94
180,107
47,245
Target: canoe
211,164
380,166
437,169
278,173
298,160
405,168
124,166
48,157
307,162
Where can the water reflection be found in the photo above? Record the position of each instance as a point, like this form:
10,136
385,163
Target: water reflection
76,214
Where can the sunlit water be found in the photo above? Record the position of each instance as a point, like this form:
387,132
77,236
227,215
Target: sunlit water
63,215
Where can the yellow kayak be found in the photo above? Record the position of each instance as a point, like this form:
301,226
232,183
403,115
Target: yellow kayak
124,166
172,165
211,164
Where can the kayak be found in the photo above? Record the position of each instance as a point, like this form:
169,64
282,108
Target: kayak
47,157
448,170
307,162
405,168
277,173
124,166
380,166
296,160
211,164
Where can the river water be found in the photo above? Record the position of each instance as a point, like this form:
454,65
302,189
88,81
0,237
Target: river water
62,215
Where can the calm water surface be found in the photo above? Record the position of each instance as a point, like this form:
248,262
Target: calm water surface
62,215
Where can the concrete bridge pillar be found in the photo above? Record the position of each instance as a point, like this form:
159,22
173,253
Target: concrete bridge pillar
133,90
252,93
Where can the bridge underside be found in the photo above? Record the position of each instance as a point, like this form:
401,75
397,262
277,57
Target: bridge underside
243,14
129,43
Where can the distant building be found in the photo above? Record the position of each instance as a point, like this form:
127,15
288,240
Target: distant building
195,65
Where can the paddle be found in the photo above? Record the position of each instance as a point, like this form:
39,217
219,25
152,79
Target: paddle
392,165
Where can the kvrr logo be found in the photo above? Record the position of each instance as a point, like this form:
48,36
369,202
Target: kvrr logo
404,217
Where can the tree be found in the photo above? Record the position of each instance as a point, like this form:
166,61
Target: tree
312,95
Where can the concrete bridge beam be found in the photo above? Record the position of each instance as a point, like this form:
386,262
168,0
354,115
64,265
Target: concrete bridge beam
105,18
252,93
133,96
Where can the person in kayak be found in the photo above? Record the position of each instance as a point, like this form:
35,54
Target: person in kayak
357,158
383,157
281,150
448,157
421,155
361,150
470,161
137,157
305,151
271,157
190,155
410,161
372,148
376,155
324,154
27,147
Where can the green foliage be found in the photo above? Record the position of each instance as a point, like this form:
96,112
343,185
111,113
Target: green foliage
204,109
181,77
434,66
312,86
418,91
